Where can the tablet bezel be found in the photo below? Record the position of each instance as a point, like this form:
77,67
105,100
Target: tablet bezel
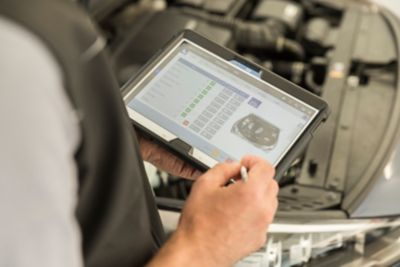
199,159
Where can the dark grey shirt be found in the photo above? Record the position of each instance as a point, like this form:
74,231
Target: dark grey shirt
38,173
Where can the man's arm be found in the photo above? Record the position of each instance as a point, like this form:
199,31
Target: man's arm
222,224
39,135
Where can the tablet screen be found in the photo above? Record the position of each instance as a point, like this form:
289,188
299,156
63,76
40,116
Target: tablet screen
219,107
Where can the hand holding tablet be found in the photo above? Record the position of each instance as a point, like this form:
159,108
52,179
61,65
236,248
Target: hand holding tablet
209,105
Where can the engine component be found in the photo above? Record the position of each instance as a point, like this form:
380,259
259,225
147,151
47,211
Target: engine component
268,35
215,6
287,12
143,42
319,36
293,71
100,9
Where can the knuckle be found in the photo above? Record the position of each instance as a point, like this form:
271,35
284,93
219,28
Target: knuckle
274,187
258,158
269,169
221,168
219,165
272,171
217,168
246,158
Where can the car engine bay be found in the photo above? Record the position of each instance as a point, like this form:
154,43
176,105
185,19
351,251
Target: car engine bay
343,51
329,48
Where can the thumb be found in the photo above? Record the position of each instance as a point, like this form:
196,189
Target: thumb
220,174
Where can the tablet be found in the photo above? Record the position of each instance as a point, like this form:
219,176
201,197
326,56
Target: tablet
208,105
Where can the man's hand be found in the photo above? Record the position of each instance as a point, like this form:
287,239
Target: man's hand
222,224
166,161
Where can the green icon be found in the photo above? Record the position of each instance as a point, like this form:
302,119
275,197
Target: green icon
192,105
204,92
183,114
196,101
200,96
187,110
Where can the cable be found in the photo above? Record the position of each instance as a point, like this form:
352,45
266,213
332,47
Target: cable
292,47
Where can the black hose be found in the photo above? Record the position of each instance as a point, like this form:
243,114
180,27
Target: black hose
292,47
293,71
312,85
268,35
214,19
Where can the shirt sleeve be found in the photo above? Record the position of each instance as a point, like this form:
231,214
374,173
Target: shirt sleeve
39,135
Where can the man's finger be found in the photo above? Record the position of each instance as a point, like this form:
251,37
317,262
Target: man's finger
249,161
188,172
222,172
259,170
261,175
273,188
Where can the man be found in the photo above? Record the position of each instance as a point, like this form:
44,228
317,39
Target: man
73,190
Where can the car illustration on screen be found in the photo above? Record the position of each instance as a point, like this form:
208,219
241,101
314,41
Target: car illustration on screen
257,131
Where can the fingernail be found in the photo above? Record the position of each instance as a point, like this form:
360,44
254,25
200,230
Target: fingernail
231,161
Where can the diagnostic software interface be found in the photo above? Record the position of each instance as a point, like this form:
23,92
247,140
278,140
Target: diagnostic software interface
220,108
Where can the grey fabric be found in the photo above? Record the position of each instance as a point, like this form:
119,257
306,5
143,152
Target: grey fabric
116,211
38,174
